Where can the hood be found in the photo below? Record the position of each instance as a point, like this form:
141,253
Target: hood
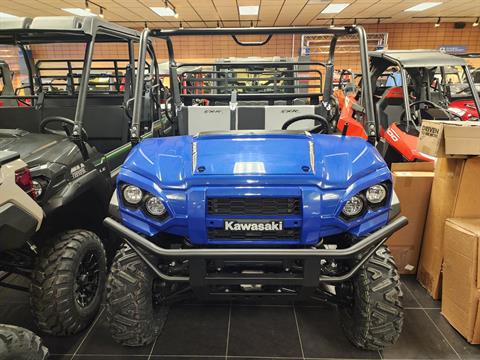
254,158
37,148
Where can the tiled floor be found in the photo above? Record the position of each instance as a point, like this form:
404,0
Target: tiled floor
248,332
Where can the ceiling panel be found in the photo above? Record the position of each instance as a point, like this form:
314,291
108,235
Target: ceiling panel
272,12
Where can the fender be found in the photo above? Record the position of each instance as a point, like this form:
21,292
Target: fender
404,143
465,109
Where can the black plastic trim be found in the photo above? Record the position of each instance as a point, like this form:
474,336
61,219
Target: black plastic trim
16,226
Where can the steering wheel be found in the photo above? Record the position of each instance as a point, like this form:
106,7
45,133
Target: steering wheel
64,121
426,102
323,128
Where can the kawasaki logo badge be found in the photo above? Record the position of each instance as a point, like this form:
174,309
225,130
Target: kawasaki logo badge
253,225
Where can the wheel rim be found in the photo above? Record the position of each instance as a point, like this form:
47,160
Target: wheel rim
87,279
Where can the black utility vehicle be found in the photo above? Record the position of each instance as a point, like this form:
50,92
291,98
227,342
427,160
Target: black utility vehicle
70,124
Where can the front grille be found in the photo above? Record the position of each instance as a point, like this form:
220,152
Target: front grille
254,206
285,234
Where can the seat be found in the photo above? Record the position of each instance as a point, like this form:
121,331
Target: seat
390,106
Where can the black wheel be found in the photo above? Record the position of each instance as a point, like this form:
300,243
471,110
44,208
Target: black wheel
135,319
17,343
374,318
68,282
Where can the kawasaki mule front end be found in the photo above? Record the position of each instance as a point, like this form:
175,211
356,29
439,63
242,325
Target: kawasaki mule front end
251,213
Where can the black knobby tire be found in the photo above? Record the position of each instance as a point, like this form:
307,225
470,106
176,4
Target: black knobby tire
374,320
17,343
53,295
134,319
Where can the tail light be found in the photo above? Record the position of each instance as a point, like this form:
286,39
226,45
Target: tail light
23,179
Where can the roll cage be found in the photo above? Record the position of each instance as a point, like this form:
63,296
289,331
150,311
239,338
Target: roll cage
409,61
326,96
89,30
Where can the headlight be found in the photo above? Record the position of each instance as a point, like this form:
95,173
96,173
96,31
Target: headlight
353,207
155,206
37,186
376,194
132,194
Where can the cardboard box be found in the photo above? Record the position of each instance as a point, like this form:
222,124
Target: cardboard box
442,203
468,196
461,284
449,138
412,183
430,139
455,193
462,139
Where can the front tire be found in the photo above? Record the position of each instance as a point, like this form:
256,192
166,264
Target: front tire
374,319
17,343
131,311
68,282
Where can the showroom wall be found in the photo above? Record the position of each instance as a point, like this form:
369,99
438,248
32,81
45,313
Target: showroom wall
400,36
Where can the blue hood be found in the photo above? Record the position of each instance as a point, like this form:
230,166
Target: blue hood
328,161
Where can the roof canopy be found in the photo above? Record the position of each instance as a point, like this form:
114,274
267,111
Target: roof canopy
418,58
50,29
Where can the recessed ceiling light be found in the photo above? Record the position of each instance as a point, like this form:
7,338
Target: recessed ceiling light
248,10
164,11
423,6
79,11
7,16
335,8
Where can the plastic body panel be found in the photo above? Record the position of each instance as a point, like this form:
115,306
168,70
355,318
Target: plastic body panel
323,170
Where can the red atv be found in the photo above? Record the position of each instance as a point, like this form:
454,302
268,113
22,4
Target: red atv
408,87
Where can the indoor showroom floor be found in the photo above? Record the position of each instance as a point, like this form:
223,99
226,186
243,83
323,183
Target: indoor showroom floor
248,331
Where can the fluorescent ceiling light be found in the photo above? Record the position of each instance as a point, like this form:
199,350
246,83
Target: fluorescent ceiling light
248,10
79,11
423,6
7,16
335,8
164,11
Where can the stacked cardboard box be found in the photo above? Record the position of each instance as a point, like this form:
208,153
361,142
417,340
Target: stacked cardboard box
461,277
412,183
451,238
454,190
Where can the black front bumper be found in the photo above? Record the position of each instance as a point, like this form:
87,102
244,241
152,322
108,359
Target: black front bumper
200,278
16,227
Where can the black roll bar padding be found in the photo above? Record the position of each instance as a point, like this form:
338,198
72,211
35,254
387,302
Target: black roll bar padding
225,253
131,59
139,87
329,70
252,43
174,86
367,92
30,67
82,92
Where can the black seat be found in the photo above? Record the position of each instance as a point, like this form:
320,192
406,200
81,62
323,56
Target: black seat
390,106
